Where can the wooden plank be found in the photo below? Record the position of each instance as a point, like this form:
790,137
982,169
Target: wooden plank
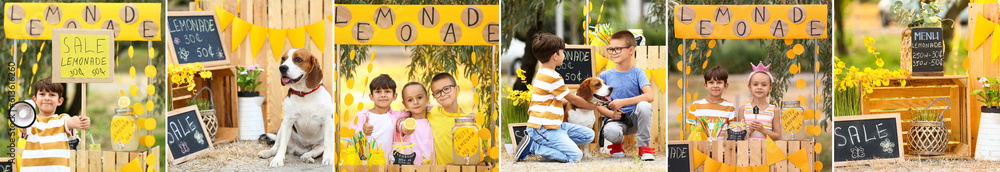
900,103
755,155
392,168
469,168
121,158
105,159
81,163
423,168
911,92
347,168
361,168
454,168
407,168
792,148
781,165
438,168
811,153
730,155
717,150
483,168
742,154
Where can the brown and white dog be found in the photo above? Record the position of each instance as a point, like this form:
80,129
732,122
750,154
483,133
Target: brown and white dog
594,90
307,126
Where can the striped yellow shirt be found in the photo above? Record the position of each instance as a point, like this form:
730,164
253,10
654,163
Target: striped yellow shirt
547,93
47,145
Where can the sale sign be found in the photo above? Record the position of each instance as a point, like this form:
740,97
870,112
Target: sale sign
82,55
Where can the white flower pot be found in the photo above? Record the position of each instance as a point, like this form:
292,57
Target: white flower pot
251,119
989,135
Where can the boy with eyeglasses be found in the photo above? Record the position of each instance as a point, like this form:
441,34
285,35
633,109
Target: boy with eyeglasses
442,117
630,100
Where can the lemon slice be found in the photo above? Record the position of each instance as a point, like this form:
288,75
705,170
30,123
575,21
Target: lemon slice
124,102
410,123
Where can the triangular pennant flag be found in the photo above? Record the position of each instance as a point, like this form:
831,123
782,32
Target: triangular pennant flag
698,157
317,32
727,168
774,153
297,36
258,35
712,165
660,77
983,30
649,75
743,169
133,165
225,18
277,37
240,30
799,159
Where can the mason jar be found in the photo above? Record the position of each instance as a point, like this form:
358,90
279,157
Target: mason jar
133,142
465,142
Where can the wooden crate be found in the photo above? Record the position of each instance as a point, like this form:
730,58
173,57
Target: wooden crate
918,93
753,153
223,85
413,168
84,160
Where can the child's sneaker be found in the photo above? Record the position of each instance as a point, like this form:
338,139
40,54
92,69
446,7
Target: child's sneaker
523,149
646,153
616,150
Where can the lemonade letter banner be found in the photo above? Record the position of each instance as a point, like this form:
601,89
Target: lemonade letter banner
750,21
129,21
417,24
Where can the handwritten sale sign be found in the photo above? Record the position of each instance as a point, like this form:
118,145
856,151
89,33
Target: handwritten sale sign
83,55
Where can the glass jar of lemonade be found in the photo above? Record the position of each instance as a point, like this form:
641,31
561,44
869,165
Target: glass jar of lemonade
465,140
124,136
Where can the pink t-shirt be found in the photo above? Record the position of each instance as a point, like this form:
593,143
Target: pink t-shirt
383,132
423,141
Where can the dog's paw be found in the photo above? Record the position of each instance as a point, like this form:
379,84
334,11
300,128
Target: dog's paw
266,153
278,161
327,160
307,158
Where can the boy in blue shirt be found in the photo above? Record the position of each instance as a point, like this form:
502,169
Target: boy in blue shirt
630,100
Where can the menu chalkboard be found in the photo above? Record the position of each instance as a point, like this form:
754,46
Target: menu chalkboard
195,37
928,52
518,132
186,134
578,64
866,137
679,156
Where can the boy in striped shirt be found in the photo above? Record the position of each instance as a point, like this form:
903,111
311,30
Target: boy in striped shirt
47,144
548,135
714,107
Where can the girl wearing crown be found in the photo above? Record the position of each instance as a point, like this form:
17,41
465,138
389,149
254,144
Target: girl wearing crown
761,118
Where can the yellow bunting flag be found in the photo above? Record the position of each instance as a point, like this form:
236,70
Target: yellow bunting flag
727,168
240,30
660,77
762,168
995,51
257,37
298,37
133,165
317,32
698,156
225,18
774,153
983,31
712,165
744,169
277,37
799,159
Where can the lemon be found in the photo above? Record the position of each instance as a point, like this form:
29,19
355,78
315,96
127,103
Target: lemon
410,123
124,102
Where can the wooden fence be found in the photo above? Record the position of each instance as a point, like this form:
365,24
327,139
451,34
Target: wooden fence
274,14
753,153
84,160
650,57
979,63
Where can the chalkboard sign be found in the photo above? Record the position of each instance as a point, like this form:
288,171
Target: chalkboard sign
679,156
578,64
186,134
6,164
518,132
928,52
83,55
866,137
195,36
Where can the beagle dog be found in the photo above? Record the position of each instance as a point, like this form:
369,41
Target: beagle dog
307,126
594,90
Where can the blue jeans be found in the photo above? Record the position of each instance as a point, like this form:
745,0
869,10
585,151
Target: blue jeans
560,144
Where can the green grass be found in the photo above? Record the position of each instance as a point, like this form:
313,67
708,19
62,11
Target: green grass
888,46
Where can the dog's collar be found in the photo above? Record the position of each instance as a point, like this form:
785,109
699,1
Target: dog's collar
303,94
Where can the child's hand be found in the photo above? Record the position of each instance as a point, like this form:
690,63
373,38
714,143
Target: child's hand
368,128
84,122
617,115
756,126
616,104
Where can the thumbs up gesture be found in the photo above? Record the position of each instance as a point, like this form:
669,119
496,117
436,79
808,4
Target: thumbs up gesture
368,128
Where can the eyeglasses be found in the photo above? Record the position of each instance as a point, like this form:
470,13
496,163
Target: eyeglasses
617,50
445,90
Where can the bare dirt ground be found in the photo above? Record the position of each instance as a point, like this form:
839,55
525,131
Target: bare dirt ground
924,165
593,161
242,156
